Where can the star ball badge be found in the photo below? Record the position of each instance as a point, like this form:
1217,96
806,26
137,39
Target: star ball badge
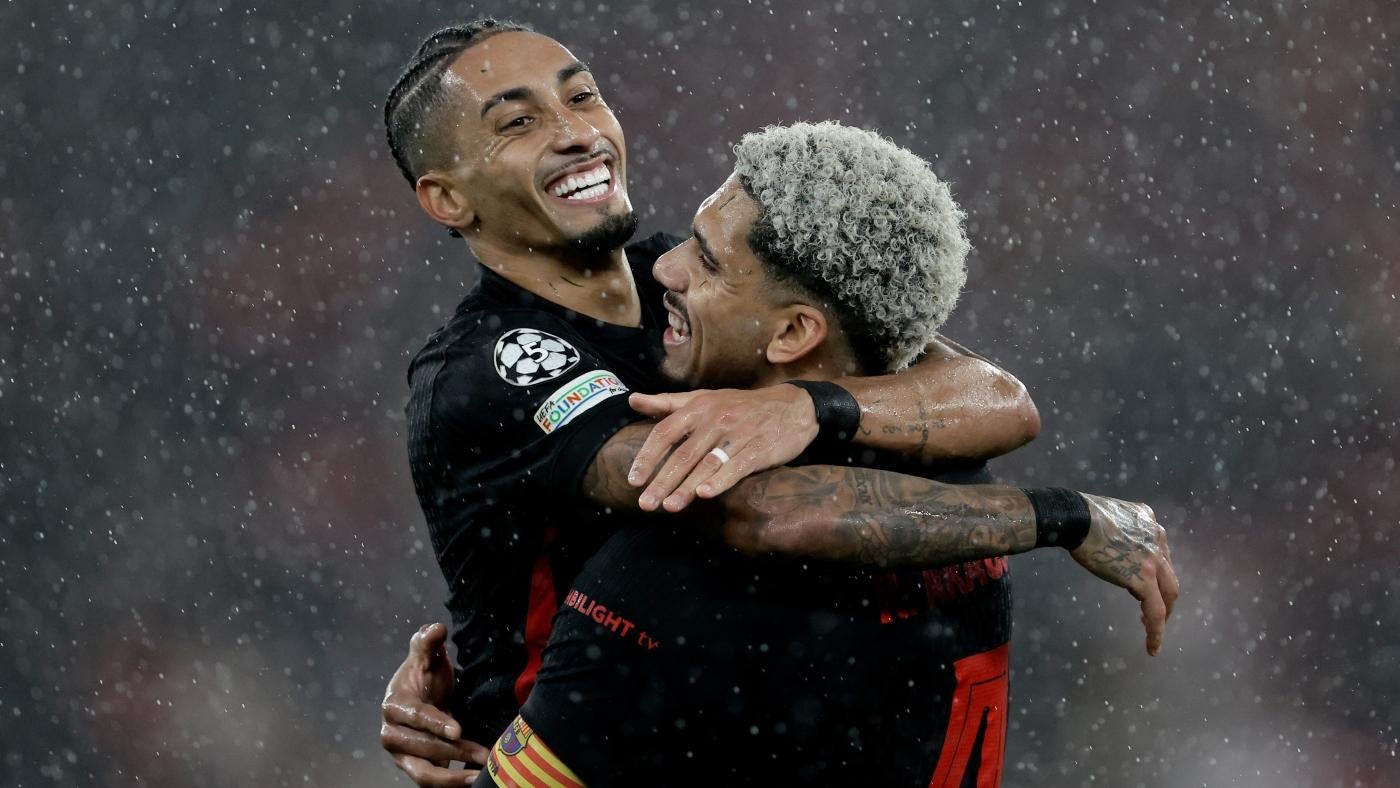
526,356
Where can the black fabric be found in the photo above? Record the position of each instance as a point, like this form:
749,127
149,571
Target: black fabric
837,412
675,662
499,491
1061,517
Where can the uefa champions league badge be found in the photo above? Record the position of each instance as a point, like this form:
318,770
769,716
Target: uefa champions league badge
525,356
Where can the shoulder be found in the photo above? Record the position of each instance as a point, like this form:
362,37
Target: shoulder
506,368
514,349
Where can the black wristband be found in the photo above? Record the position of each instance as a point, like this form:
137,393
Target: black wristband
1061,517
838,413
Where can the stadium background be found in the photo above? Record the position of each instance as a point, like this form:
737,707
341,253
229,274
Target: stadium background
211,279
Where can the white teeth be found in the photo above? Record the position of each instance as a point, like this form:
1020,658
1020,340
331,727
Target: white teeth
580,181
589,193
678,326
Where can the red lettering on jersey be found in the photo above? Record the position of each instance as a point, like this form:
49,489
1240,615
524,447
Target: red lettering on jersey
600,614
947,583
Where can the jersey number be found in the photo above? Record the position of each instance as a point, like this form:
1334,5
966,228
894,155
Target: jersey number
979,707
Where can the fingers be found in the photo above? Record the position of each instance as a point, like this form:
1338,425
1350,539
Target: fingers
730,473
428,639
664,437
679,465
1170,586
473,753
427,775
1154,615
402,740
656,406
705,470
397,710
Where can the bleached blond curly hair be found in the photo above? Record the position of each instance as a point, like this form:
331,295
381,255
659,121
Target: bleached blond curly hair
860,221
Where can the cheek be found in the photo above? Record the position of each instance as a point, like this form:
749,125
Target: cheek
489,145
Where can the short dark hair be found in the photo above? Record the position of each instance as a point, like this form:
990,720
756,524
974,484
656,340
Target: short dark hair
418,94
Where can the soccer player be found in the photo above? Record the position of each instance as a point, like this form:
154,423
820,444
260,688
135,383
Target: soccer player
671,649
507,142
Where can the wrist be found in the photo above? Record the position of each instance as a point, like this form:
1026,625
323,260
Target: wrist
1062,517
837,413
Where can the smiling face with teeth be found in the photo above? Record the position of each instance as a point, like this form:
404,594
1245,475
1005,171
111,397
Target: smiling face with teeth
539,157
732,322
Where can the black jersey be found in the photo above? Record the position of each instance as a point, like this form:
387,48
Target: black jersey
510,401
678,662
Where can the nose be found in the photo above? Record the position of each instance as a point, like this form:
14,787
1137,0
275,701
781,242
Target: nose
668,269
572,133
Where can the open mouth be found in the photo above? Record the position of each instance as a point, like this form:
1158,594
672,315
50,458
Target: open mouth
591,185
678,332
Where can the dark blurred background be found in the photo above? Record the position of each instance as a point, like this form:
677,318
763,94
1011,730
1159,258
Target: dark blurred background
212,278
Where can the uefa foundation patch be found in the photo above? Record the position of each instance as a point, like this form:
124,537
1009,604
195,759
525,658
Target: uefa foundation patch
575,397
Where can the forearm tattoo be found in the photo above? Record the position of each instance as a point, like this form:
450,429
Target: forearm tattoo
838,513
883,519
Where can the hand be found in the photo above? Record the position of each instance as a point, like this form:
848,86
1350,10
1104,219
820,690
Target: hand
758,429
423,738
1128,548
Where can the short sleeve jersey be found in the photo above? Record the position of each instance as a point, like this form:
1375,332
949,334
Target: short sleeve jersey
509,402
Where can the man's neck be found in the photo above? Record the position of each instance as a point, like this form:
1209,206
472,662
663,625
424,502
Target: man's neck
820,365
598,285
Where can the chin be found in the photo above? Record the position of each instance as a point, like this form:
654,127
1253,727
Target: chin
680,372
611,233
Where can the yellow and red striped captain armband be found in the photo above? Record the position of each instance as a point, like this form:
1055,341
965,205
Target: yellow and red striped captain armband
520,759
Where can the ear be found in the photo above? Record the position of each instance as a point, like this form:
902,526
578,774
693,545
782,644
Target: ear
801,329
444,202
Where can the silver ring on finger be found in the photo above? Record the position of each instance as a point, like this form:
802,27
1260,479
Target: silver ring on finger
720,455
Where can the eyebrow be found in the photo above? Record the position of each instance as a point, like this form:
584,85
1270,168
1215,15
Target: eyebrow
704,245
520,94
514,94
573,68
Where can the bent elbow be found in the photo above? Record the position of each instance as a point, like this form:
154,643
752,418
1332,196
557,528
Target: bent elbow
1021,418
1028,415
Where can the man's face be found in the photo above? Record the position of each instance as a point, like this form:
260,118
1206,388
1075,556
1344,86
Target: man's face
541,156
721,301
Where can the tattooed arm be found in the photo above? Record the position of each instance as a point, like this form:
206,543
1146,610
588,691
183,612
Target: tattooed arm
951,405
879,518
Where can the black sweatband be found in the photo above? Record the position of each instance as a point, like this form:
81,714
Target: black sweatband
838,413
1061,516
